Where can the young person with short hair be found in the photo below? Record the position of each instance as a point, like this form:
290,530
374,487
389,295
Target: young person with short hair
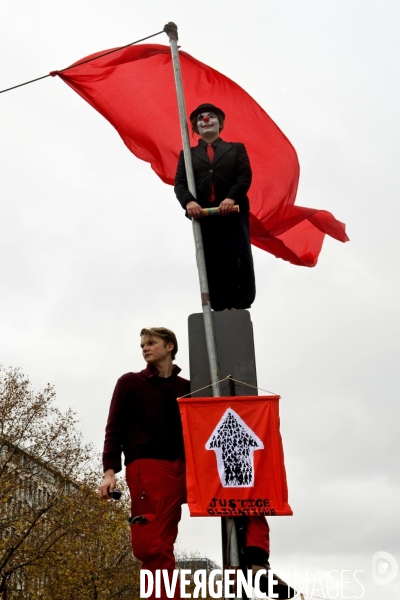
144,423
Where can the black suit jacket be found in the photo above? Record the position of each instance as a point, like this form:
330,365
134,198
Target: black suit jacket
230,172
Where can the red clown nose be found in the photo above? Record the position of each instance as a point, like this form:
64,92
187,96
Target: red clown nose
206,119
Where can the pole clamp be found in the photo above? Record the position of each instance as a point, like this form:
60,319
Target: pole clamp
171,30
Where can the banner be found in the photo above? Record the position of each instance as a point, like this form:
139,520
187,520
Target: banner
234,456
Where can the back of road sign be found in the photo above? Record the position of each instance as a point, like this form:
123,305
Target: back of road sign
235,350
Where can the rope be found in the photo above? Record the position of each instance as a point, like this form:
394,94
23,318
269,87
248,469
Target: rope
205,387
253,386
54,73
224,379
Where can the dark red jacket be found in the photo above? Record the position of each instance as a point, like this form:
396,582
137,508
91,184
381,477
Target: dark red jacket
144,419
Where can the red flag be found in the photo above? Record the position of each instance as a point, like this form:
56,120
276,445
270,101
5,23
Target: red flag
134,89
234,456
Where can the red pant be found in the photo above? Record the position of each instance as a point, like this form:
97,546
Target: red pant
257,533
158,489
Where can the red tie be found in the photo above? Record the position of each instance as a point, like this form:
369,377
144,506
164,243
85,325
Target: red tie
210,154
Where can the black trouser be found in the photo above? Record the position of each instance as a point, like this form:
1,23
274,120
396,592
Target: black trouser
229,261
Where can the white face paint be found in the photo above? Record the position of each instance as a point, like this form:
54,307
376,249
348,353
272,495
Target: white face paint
208,124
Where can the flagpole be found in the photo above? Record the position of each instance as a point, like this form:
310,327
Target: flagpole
172,31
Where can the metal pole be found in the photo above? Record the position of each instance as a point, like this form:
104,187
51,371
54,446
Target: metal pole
233,550
172,31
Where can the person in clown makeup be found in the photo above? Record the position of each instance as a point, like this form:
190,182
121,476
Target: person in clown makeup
223,176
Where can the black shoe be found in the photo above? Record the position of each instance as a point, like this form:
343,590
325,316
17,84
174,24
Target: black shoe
281,588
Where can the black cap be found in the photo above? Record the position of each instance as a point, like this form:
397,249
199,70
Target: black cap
207,107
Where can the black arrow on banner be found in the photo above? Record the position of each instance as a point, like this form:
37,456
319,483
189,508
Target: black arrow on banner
234,444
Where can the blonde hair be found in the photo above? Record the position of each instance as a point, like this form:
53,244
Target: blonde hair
165,334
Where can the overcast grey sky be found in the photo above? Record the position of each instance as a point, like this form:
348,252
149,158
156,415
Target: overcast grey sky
93,246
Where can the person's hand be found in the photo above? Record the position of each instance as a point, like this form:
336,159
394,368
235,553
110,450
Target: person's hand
108,484
225,207
194,210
